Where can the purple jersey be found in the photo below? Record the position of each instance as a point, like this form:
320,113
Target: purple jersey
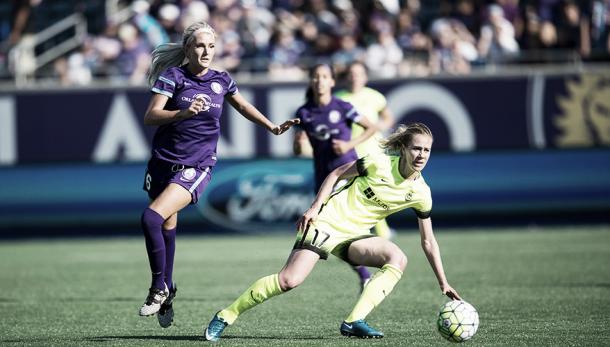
192,141
323,124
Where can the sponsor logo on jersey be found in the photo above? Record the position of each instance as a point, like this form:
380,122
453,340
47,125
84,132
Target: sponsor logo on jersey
370,194
322,132
216,87
207,101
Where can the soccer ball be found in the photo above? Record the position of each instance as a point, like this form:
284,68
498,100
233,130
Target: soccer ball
458,321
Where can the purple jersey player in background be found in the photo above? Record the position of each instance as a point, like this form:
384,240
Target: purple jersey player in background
186,104
326,122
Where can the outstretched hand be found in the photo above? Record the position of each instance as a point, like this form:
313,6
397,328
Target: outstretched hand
450,292
280,129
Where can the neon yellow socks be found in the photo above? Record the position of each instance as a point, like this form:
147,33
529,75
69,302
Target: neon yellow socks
260,291
375,291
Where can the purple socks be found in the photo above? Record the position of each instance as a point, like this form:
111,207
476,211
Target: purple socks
363,272
155,246
169,236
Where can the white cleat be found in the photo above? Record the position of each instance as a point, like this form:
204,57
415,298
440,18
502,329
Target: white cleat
156,297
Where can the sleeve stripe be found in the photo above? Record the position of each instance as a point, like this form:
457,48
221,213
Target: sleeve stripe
361,168
351,113
422,215
163,92
231,84
168,81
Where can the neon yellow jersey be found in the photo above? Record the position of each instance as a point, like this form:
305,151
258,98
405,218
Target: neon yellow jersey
379,191
368,102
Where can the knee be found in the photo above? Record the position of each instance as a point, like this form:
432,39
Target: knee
151,219
169,225
289,281
398,259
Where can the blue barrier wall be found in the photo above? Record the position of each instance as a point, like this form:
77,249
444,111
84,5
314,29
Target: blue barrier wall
268,195
465,114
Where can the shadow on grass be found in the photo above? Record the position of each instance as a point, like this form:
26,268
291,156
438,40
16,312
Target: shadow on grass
194,338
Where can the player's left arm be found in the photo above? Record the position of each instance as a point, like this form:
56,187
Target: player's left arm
251,113
341,147
433,253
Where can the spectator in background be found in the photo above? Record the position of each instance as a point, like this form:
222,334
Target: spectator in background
152,31
349,52
192,12
530,40
513,14
414,43
77,68
467,12
548,35
285,55
600,27
497,41
571,28
384,56
169,14
134,59
452,48
229,52
255,29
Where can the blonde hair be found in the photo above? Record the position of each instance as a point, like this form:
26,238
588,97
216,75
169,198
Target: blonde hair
172,54
400,140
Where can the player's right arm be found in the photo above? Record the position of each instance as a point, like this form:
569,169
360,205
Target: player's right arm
301,145
345,171
433,253
157,115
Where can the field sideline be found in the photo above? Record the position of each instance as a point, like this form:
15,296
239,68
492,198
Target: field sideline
533,287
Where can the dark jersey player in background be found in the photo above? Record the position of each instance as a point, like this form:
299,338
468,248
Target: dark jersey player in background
326,122
186,104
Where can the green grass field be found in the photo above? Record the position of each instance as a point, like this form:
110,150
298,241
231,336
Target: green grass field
532,287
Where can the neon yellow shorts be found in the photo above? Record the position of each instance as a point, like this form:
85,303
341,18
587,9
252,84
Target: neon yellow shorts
324,240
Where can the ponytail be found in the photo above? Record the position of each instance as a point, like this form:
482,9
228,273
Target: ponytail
164,57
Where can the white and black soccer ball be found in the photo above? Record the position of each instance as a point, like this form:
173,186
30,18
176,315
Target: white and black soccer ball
458,321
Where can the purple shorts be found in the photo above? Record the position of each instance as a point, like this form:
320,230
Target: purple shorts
160,173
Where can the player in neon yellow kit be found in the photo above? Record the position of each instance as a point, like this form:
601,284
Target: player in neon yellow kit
338,223
373,105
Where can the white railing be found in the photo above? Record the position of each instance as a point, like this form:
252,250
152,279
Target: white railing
23,60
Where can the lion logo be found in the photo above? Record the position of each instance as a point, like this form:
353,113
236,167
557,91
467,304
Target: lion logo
585,117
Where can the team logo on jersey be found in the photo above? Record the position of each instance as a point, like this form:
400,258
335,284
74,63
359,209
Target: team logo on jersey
322,132
216,87
409,196
334,116
188,174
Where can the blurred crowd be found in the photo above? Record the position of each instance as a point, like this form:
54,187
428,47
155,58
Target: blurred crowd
394,38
